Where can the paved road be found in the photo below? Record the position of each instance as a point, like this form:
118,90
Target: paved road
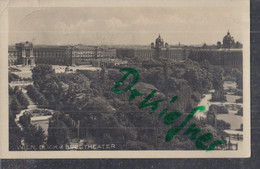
20,83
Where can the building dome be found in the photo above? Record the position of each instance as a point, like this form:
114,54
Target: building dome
166,45
228,41
159,39
152,45
159,42
228,37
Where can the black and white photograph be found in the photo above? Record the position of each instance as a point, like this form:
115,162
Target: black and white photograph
129,79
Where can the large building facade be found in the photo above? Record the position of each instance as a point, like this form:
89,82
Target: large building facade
232,58
227,54
157,50
21,53
82,55
54,55
27,54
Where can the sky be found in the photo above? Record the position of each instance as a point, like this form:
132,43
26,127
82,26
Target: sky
125,25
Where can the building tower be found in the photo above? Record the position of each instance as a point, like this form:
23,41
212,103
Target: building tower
228,41
152,45
25,53
161,48
166,45
159,43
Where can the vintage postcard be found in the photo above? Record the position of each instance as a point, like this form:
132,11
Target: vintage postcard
137,79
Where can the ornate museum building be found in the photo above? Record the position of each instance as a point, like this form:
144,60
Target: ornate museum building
229,53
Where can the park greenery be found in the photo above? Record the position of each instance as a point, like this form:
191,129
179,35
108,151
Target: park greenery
240,112
58,131
240,100
33,134
12,77
218,124
17,99
85,97
15,133
218,96
25,119
218,109
106,117
17,102
37,97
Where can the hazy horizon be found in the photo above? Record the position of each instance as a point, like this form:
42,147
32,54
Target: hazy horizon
125,25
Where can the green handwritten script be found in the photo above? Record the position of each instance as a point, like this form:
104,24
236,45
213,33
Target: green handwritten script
170,117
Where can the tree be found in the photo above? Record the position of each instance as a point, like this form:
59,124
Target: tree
25,119
11,90
34,136
15,105
218,109
16,88
238,45
219,44
52,100
12,77
15,134
240,112
36,96
241,127
24,101
21,97
41,100
204,45
240,100
217,73
221,124
219,96
239,81
40,73
211,118
57,132
39,136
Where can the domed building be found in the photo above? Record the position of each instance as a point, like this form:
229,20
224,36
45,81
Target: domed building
159,43
228,41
